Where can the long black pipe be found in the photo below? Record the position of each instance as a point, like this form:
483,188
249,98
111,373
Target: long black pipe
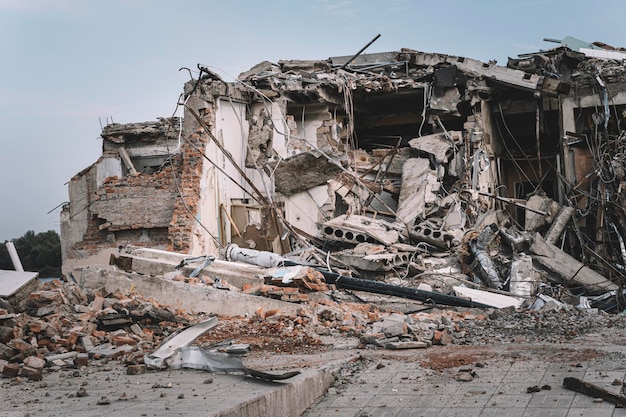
377,287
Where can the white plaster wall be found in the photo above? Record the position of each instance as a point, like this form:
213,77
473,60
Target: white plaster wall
314,116
301,210
74,220
231,129
107,167
281,136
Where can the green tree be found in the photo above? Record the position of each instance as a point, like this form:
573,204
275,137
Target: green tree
39,252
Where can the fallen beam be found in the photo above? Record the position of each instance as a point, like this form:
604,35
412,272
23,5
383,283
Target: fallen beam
569,270
595,391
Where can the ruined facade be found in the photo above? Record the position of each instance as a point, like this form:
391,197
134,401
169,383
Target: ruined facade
378,159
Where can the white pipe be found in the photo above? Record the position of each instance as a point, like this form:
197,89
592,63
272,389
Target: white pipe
260,258
17,264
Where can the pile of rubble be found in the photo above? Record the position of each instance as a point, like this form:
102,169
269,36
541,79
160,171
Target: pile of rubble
61,326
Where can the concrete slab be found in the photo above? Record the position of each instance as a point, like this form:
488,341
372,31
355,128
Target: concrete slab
192,298
12,281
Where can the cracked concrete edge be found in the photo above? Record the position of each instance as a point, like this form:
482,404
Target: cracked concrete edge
291,400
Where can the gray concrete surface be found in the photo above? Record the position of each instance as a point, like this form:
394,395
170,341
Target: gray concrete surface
108,390
404,386
367,383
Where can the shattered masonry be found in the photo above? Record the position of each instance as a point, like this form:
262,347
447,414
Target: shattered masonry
400,164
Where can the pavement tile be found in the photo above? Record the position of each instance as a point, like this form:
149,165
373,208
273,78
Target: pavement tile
513,388
387,400
469,401
546,412
460,412
435,400
400,389
598,377
380,411
589,412
491,377
335,412
525,366
479,389
557,376
541,400
619,412
504,400
348,400
531,377
419,412
502,412
585,401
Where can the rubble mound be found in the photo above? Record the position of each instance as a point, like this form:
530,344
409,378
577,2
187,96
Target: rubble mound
550,326
279,333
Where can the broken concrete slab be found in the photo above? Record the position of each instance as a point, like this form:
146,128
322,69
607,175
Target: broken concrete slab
192,298
566,270
303,171
419,187
360,229
440,145
15,287
488,298
156,262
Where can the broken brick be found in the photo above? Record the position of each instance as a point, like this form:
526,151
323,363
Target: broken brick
135,369
10,370
33,374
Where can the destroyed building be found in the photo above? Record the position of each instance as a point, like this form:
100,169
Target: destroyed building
378,165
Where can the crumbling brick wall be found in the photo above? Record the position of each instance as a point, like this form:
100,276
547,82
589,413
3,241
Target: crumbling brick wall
155,208
185,207
135,209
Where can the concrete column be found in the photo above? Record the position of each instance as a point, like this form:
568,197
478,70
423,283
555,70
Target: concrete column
17,264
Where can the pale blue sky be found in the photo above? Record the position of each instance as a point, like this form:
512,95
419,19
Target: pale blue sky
66,63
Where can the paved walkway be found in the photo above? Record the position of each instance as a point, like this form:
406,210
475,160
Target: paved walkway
502,376
463,381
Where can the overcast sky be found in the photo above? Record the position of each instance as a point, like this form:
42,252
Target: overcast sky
66,66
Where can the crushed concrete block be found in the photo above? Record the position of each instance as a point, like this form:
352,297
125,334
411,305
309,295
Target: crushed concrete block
82,359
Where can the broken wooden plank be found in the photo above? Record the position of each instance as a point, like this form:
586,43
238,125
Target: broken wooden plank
595,391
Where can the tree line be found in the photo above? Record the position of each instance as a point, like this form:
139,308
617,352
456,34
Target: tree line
38,252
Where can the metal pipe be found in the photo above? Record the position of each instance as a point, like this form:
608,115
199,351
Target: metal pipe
378,287
17,264
360,52
512,201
